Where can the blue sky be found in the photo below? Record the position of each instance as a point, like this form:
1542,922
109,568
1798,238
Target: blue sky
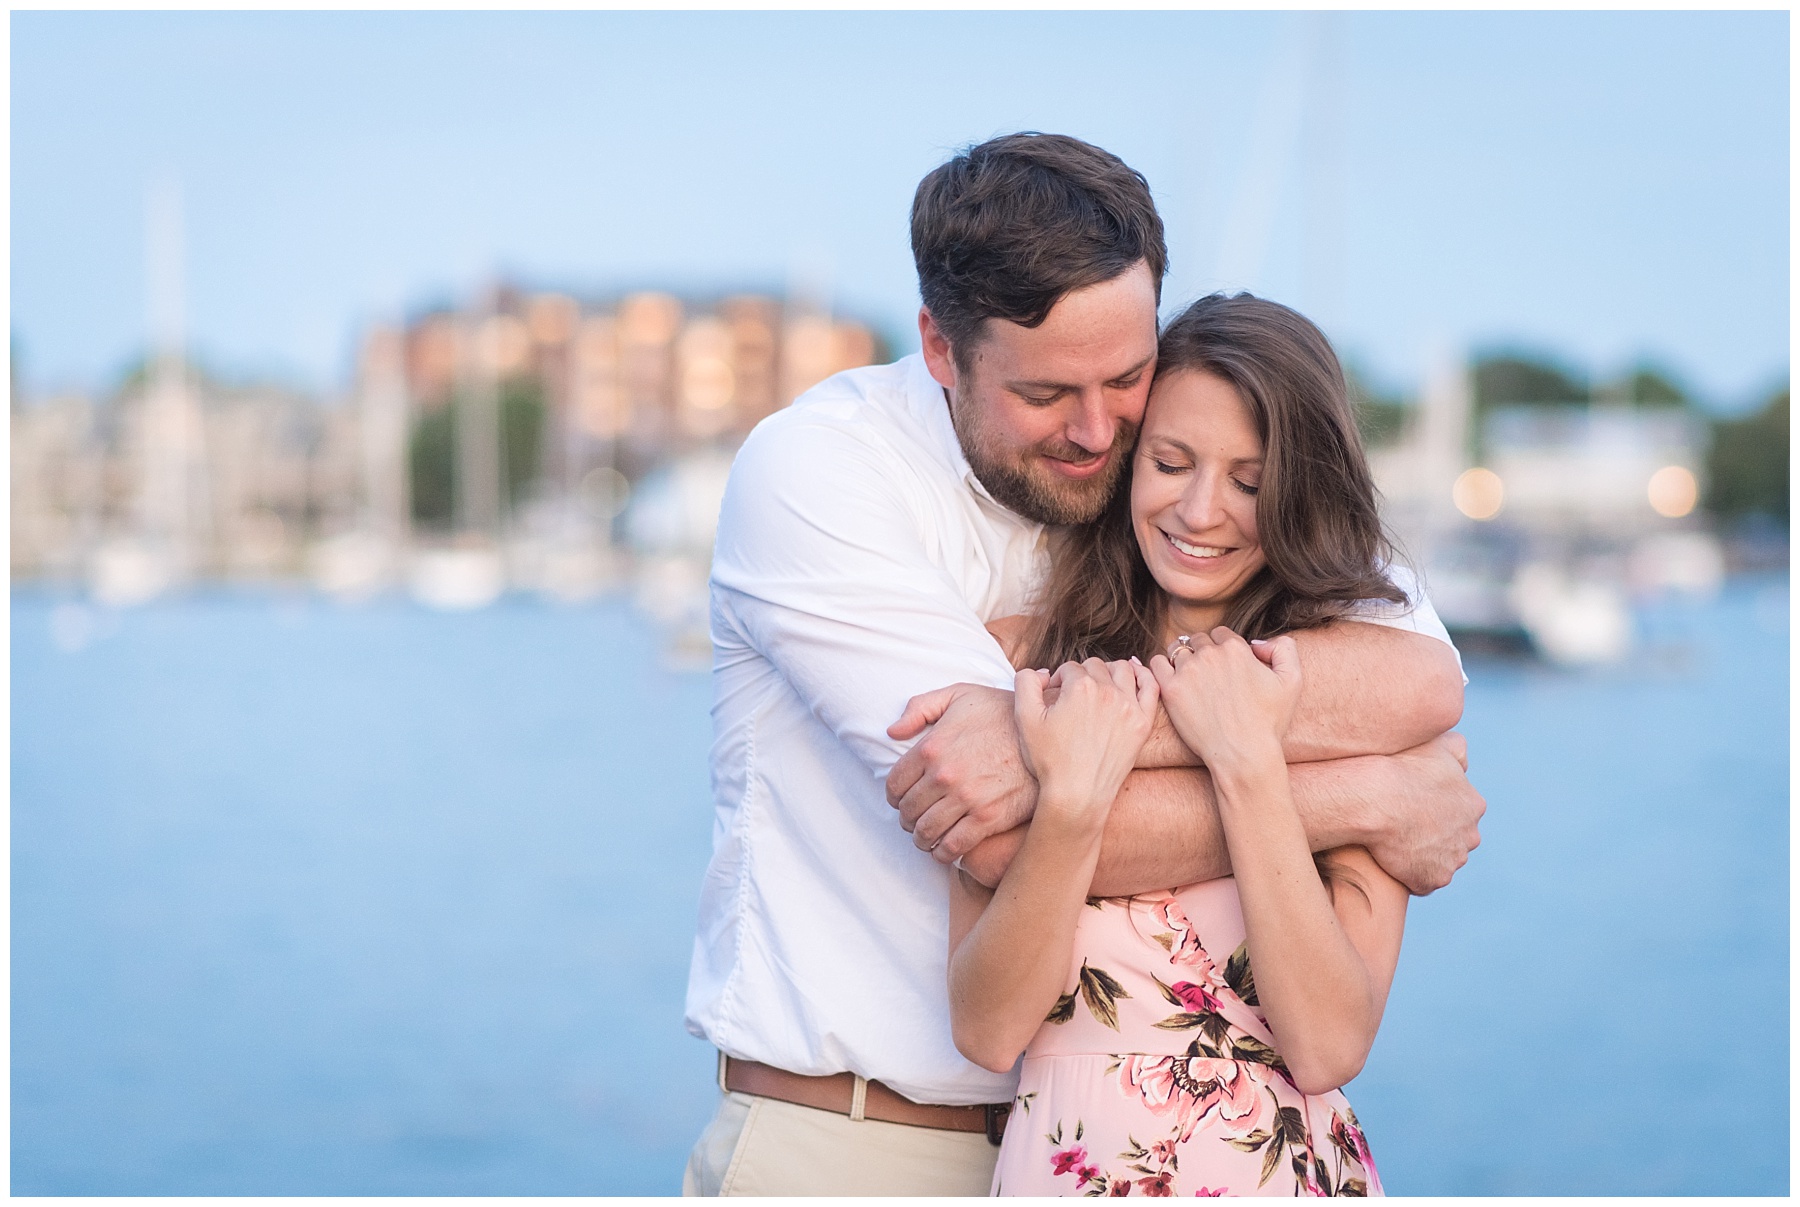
1603,186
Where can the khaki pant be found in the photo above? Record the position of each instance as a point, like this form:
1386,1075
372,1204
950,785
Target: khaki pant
762,1146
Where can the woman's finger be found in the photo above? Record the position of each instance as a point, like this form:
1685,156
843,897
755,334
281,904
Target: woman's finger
1147,689
1028,693
1123,676
1284,658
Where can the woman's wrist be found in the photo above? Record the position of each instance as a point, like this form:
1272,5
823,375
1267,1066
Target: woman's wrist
1067,814
1247,770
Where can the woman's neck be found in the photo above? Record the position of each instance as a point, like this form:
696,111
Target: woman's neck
1191,618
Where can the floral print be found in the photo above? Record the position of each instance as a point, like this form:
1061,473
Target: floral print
1201,1104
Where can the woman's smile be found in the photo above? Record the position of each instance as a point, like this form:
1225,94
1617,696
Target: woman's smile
1193,550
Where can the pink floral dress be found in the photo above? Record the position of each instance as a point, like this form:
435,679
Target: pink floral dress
1156,1072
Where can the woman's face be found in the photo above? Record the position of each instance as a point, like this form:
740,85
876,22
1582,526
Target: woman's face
1193,490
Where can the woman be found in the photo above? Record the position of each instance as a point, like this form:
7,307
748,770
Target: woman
1156,1061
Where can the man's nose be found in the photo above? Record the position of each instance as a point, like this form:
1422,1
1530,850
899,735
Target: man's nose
1093,425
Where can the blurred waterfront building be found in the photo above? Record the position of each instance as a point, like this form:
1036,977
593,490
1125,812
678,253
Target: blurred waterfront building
492,445
1538,521
166,482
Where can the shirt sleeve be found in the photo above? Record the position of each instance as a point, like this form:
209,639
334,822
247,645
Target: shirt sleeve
1415,615
822,566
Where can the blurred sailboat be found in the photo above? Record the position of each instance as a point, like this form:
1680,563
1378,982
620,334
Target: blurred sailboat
371,556
672,522
470,571
165,534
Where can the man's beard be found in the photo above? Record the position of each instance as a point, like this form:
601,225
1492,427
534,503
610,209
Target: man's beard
1020,481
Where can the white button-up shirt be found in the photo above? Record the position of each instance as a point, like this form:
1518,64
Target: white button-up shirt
856,563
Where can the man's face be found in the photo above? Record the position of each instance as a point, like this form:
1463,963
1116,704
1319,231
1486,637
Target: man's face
1046,415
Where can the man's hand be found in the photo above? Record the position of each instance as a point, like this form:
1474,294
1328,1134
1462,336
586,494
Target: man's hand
962,781
1429,818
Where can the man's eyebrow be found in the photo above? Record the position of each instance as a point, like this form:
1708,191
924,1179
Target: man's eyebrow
1034,384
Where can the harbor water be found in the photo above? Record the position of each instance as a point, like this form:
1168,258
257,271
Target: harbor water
317,899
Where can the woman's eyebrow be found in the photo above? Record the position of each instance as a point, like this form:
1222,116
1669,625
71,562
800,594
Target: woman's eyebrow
1172,442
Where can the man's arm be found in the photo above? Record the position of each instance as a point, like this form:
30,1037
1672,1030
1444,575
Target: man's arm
1377,689
821,568
1416,812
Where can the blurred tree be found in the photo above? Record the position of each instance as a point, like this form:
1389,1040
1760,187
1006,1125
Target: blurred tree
433,464
433,451
521,434
1647,386
1747,467
1519,379
1381,416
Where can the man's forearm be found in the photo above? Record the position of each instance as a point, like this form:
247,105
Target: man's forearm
1416,812
1164,829
1369,689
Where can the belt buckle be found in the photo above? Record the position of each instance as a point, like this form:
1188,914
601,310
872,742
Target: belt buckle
996,1113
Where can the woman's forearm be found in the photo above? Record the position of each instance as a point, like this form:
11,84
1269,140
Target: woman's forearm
1313,984
1008,970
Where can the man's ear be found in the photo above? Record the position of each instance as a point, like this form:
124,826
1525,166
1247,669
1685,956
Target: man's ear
937,351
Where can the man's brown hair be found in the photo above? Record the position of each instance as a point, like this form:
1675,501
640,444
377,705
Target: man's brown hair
1005,229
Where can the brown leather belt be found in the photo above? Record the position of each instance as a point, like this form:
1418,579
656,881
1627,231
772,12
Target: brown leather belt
838,1093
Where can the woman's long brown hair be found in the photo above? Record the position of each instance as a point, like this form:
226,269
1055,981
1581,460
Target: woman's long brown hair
1316,516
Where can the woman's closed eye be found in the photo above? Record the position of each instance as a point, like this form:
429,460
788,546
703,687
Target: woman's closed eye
1248,488
1168,467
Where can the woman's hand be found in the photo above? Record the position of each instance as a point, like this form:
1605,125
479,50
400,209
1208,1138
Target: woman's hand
1080,729
1229,700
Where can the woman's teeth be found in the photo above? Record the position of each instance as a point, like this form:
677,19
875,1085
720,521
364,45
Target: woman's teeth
1195,550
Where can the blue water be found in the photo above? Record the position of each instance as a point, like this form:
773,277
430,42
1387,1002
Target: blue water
322,900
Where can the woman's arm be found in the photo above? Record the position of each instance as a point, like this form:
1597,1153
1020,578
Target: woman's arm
1323,961
1010,948
1322,966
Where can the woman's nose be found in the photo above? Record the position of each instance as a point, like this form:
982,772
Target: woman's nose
1199,507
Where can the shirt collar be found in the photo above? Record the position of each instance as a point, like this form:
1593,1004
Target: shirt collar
929,404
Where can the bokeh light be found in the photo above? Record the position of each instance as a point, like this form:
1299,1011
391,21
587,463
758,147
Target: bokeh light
1673,491
1479,493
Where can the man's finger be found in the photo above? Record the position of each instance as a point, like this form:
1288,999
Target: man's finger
1459,748
936,822
959,840
921,711
905,774
926,791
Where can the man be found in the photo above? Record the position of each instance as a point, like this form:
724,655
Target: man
868,534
